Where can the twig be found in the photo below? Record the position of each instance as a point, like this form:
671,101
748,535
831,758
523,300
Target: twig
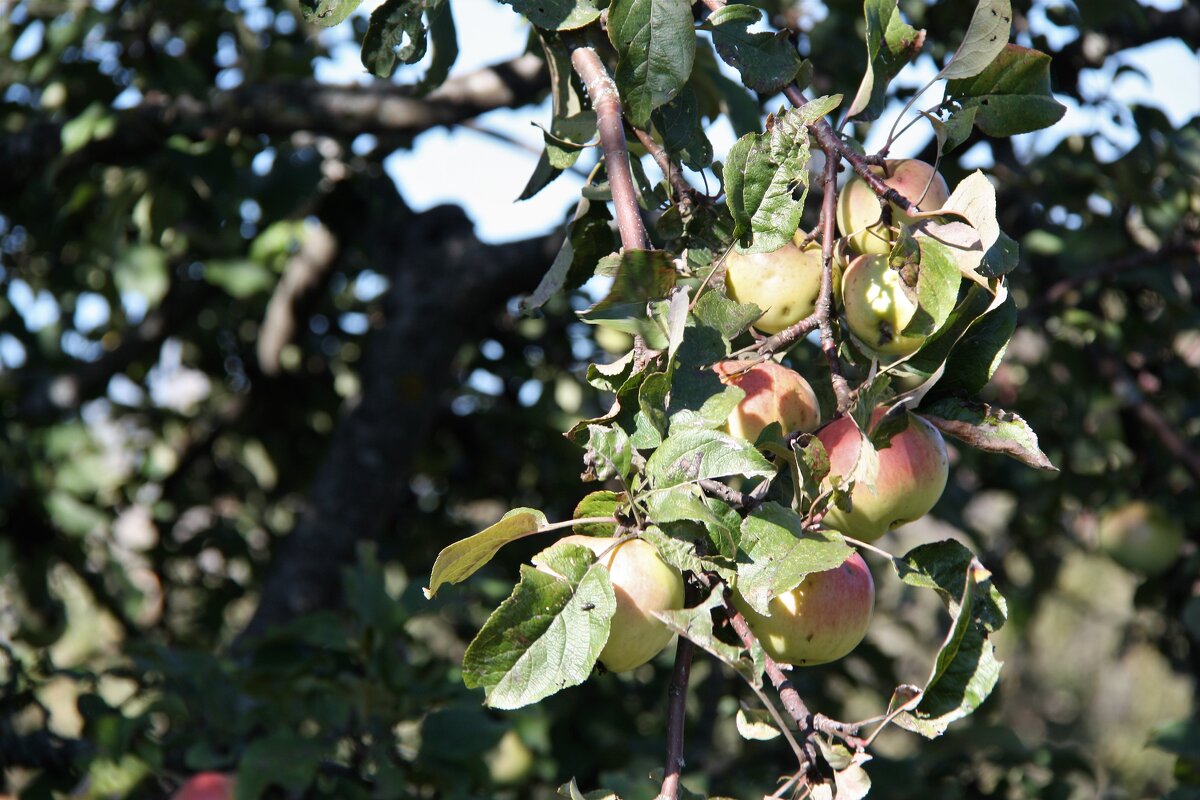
607,104
685,194
676,706
742,500
1060,288
824,307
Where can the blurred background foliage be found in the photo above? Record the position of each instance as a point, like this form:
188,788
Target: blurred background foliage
246,395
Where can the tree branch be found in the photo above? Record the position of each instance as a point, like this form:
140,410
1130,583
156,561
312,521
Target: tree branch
684,193
676,708
607,104
306,270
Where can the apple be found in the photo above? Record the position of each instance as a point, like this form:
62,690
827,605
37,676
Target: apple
774,393
878,307
819,621
912,475
858,206
511,761
206,786
784,283
643,583
1141,537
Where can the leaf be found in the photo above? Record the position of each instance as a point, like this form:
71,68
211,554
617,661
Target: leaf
283,758
986,36
656,46
756,724
694,454
240,278
936,349
714,412
682,130
966,668
589,236
891,44
729,317
1012,95
766,61
952,131
396,33
327,13
461,560
781,553
94,122
978,353
695,624
764,173
812,465
549,632
938,280
973,199
642,276
598,504
989,429
143,269
444,37
556,15
609,453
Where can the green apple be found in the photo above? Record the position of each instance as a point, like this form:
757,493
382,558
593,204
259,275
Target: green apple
821,620
912,475
643,583
511,761
774,393
783,283
878,307
1141,537
858,207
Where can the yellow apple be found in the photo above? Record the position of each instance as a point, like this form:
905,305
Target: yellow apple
774,393
821,620
1141,537
858,207
878,307
912,475
643,583
783,283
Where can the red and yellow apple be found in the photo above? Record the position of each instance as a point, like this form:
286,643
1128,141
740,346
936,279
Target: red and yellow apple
1141,537
878,307
206,786
858,208
643,583
912,475
783,283
774,393
821,620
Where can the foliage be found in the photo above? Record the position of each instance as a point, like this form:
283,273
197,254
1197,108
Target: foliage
246,400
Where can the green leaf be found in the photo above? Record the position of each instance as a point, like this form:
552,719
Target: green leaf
891,44
781,553
443,36
142,269
95,122
549,632
682,130
952,131
812,465
973,199
589,236
283,758
557,15
766,61
609,453
989,429
598,504
396,34
695,624
656,46
729,317
712,414
1012,95
642,276
938,280
756,724
327,13
764,173
966,668
694,454
461,560
937,347
543,175
977,354
240,278
986,36
718,94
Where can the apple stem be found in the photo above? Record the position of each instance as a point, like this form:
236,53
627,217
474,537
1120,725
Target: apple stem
676,707
607,103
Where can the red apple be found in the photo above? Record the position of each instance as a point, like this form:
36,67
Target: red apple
774,393
206,786
858,207
912,474
821,620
